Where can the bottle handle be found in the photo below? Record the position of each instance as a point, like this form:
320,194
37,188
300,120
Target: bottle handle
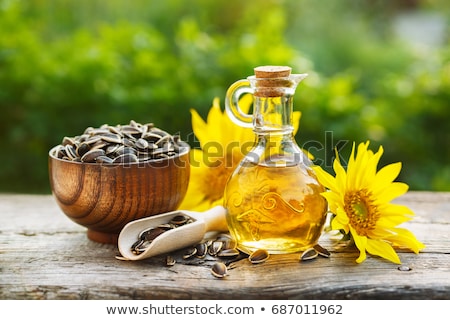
234,92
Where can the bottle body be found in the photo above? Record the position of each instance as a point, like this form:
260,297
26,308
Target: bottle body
275,204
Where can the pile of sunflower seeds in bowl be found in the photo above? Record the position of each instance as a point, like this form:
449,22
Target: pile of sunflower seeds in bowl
131,143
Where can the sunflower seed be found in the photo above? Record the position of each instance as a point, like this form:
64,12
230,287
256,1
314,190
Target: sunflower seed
131,130
189,253
141,144
228,253
159,132
115,130
322,251
112,148
309,254
151,136
202,249
103,159
112,138
60,152
93,139
219,270
91,155
170,261
99,145
259,256
68,140
126,158
126,150
151,234
179,219
83,148
166,226
70,151
215,247
136,247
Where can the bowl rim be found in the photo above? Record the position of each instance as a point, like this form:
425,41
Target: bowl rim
184,149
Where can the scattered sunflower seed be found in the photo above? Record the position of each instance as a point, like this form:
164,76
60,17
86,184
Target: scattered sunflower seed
189,253
322,251
215,247
202,250
219,270
259,256
309,254
228,253
170,261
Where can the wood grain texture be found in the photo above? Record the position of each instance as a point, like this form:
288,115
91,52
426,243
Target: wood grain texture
44,255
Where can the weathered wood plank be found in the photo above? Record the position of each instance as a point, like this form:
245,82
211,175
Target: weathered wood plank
44,255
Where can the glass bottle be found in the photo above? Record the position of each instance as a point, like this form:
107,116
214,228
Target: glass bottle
272,198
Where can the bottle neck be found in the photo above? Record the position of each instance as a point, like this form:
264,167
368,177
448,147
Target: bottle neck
273,126
273,115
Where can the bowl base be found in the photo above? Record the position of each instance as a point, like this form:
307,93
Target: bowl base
102,237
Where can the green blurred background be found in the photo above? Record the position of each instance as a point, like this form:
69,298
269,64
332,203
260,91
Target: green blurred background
379,71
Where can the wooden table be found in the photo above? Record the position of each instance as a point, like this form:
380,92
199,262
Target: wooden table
44,255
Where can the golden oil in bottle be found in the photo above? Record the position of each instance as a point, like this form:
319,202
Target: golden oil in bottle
278,209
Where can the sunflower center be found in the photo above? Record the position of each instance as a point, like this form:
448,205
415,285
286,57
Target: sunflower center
362,212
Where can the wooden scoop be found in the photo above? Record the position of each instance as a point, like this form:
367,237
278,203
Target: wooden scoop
173,239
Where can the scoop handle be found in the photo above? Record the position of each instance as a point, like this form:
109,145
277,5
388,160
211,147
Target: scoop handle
215,219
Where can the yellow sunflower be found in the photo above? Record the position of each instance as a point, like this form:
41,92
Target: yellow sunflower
223,145
359,199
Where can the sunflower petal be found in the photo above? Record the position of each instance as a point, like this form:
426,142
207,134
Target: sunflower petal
382,249
405,238
361,243
333,200
340,222
326,179
389,209
215,123
387,222
386,176
392,191
199,126
341,175
370,171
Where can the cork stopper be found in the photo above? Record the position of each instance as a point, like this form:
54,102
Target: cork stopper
271,80
272,71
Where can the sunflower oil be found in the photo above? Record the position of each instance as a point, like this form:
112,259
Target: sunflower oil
278,209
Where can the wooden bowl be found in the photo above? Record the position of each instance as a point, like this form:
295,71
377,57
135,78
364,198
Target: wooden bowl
105,197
